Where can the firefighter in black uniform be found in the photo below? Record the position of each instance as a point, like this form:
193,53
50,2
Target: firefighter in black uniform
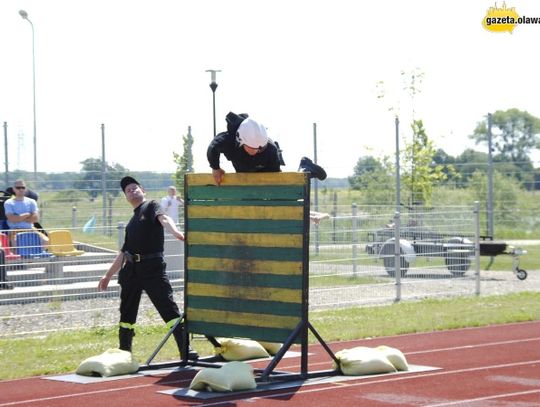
141,267
247,146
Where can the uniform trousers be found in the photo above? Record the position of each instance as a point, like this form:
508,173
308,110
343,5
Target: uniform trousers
150,276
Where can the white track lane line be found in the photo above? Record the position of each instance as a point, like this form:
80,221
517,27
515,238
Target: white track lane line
319,363
481,345
345,385
88,393
494,397
391,379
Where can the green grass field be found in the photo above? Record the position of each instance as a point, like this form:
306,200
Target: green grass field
61,352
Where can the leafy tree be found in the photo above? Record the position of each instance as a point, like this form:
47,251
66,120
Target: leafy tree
366,168
184,162
468,162
523,173
536,181
505,194
514,134
91,177
370,174
419,172
447,162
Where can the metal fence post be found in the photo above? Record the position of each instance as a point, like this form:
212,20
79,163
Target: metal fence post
354,237
103,179
110,216
121,234
316,191
334,214
477,244
6,159
74,217
397,254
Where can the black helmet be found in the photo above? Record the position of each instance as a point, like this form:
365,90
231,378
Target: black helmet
233,121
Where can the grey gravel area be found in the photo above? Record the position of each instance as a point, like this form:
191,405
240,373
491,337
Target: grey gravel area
42,317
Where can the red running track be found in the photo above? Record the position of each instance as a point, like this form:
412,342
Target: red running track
491,366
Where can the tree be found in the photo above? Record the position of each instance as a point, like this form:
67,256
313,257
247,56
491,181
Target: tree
514,134
375,178
420,172
505,194
184,162
468,162
420,169
91,177
366,168
447,162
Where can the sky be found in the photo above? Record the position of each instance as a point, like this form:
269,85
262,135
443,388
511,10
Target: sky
138,67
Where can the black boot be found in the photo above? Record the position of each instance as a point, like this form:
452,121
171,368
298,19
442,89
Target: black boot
316,171
178,334
125,335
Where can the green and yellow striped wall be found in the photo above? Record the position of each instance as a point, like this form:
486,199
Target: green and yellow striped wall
246,255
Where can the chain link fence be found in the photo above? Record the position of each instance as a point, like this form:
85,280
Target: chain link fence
353,258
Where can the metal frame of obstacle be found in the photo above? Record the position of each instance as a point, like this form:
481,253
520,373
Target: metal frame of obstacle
247,264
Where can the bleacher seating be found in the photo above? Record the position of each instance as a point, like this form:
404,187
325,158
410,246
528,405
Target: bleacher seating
61,243
4,244
29,246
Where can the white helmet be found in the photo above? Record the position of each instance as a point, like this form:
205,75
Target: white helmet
252,134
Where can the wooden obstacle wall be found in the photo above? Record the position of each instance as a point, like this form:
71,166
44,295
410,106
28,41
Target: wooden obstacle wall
246,257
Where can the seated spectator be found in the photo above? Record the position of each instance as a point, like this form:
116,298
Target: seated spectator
3,219
22,212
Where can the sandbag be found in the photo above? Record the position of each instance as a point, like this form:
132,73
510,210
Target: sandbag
271,347
362,361
395,356
232,376
112,362
240,349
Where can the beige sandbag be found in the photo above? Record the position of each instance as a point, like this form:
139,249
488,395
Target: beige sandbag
362,361
395,356
271,347
112,362
232,376
240,349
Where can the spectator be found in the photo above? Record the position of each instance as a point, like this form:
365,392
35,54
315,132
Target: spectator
171,202
22,212
8,193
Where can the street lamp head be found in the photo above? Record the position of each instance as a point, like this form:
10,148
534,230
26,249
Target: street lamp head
213,74
23,14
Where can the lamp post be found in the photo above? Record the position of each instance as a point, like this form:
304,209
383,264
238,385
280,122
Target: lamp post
24,16
213,86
